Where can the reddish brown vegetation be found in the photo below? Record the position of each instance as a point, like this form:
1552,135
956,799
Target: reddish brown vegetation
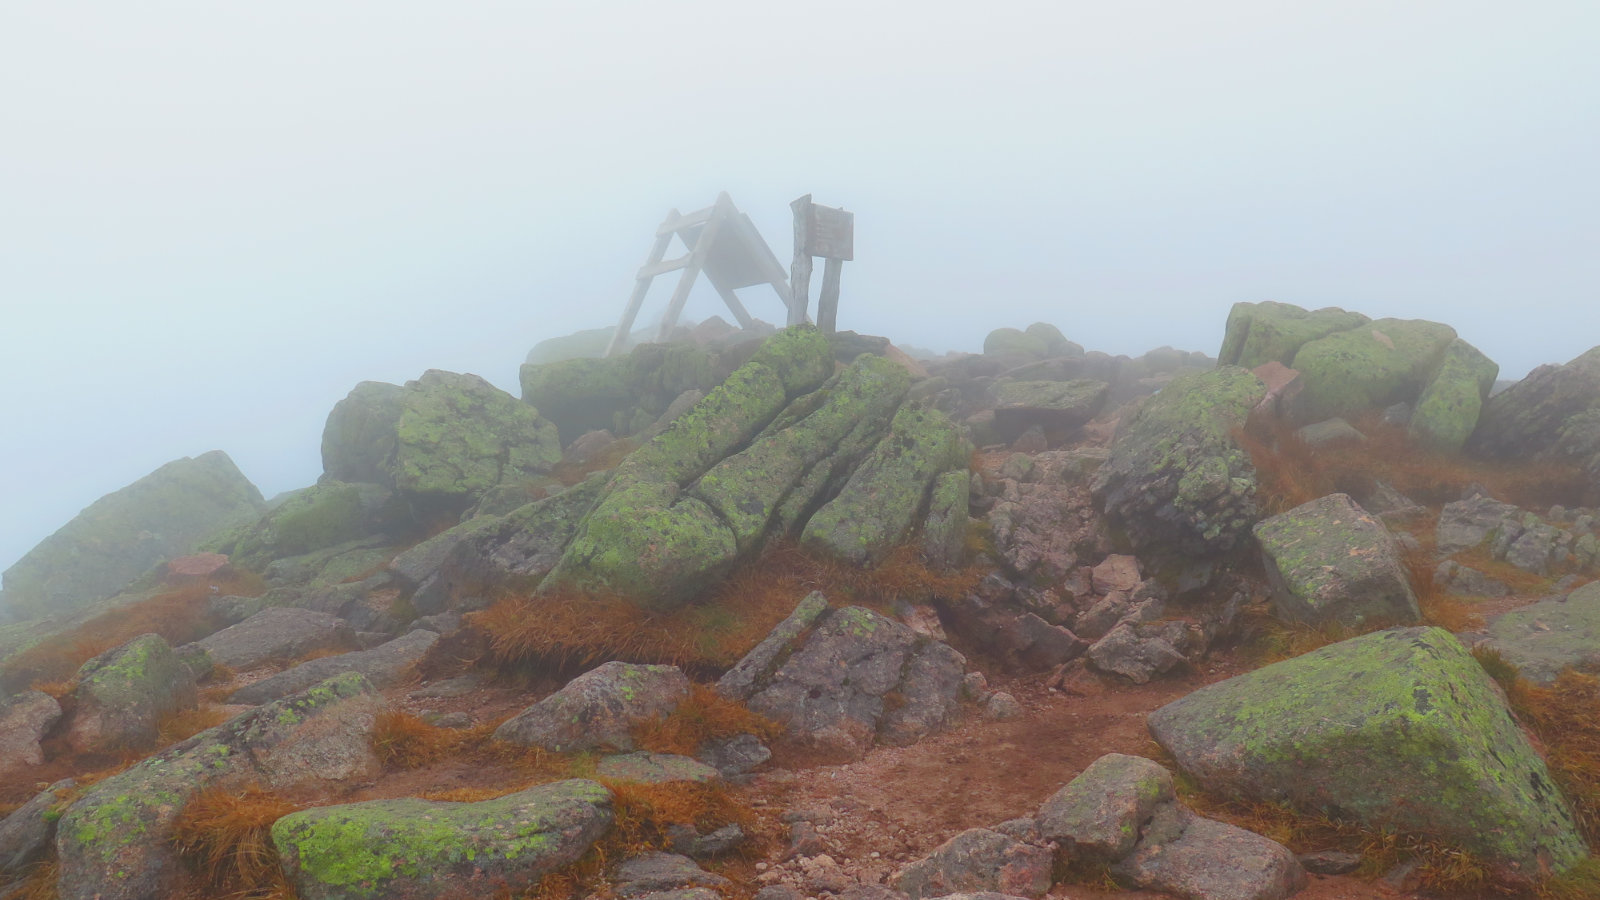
225,836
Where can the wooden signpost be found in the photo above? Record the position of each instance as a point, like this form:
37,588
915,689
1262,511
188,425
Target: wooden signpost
829,233
722,242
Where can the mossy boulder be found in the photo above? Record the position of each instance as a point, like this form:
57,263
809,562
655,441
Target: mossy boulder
584,344
114,843
123,693
1058,407
1040,340
944,531
747,489
1177,483
885,496
358,440
319,517
599,708
646,538
1259,333
1331,561
1380,363
125,533
1447,411
1397,729
617,393
410,849
1553,414
1100,815
458,435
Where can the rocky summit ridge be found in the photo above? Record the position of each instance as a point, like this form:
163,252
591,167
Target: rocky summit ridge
784,614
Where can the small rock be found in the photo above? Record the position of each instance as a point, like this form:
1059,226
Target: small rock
736,755
651,872
1330,862
1117,572
598,708
978,860
1001,706
655,768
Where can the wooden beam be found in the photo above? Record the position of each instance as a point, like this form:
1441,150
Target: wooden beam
734,306
800,269
649,270
641,286
828,299
697,258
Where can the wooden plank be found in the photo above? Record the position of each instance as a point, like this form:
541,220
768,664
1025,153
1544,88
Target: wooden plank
830,232
678,223
734,306
800,269
651,270
828,298
697,258
641,286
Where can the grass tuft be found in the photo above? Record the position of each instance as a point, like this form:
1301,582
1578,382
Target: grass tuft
705,716
1565,718
181,726
404,741
225,837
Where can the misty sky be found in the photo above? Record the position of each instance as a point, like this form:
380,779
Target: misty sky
216,218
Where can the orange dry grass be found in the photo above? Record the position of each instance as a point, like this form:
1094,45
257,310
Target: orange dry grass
1439,607
225,835
1290,473
183,725
705,716
39,881
404,741
1565,717
179,615
575,628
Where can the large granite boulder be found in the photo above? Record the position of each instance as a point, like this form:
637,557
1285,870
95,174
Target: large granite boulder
358,440
1177,483
114,843
1370,367
843,680
25,719
442,439
649,540
1331,561
1259,333
587,343
1399,729
1040,340
598,708
1100,815
410,849
1553,413
878,506
1447,411
123,534
1544,638
122,695
459,435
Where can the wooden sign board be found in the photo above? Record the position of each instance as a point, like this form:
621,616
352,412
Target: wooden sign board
829,232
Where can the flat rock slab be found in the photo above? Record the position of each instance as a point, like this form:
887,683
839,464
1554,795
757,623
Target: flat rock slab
978,860
1215,861
410,849
1331,561
277,633
650,873
655,768
1551,635
598,708
1399,728
1057,407
382,666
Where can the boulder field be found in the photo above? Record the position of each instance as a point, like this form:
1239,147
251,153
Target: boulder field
789,615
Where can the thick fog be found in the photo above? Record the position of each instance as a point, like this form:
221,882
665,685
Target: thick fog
216,218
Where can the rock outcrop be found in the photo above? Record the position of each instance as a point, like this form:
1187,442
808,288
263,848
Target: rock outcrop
114,842
1544,638
122,695
598,708
1553,413
123,534
381,666
1399,728
1260,333
1177,483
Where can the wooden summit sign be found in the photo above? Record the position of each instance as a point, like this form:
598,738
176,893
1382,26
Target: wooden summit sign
829,233
722,242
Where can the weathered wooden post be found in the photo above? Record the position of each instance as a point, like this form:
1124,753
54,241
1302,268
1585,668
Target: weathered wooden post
829,233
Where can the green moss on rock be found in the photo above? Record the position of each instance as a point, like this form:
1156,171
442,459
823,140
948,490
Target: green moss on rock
458,435
1380,363
1258,333
423,849
878,506
1397,729
1447,411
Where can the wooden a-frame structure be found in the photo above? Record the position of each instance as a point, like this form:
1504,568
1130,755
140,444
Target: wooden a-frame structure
722,242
